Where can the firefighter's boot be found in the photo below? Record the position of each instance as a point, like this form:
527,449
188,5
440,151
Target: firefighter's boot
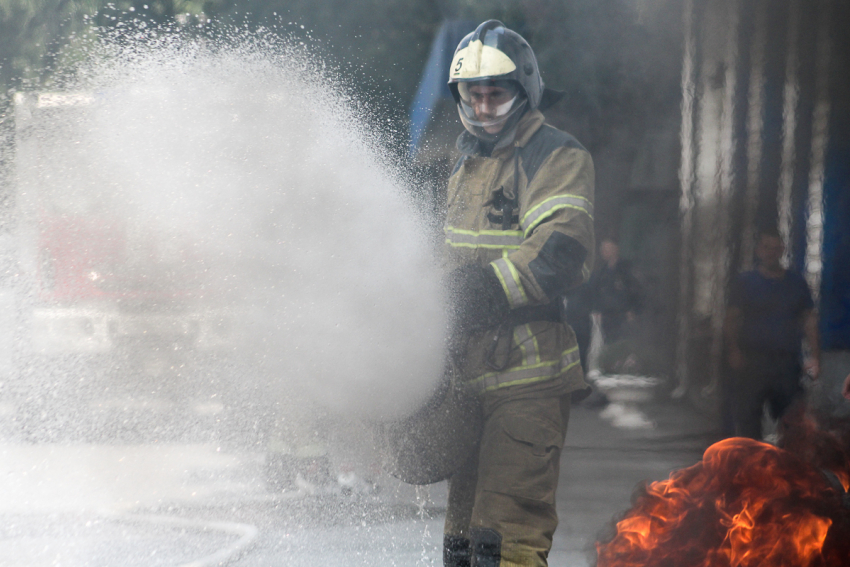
486,547
456,551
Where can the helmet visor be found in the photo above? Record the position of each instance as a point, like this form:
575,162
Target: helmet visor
488,104
501,89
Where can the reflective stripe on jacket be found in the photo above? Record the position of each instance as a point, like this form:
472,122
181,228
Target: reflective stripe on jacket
546,177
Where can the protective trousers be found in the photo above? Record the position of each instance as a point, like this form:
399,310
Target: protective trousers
501,507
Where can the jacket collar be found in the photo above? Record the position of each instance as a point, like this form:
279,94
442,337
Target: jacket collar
525,129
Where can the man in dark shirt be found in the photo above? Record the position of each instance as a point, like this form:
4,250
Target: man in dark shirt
616,292
770,310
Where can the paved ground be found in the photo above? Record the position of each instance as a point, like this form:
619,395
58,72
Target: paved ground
183,504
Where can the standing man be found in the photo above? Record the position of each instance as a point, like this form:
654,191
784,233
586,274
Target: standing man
617,295
519,234
770,311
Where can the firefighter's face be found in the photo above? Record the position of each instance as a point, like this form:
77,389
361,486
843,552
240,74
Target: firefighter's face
489,103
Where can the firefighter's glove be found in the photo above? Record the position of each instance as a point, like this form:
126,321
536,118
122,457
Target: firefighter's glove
478,300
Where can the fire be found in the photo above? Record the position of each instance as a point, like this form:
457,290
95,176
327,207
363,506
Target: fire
746,504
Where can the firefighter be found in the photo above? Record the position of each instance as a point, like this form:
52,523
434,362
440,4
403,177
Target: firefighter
519,235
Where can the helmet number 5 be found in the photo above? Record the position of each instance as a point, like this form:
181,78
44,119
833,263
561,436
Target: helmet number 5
459,65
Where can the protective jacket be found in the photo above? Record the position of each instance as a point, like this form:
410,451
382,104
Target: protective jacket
526,211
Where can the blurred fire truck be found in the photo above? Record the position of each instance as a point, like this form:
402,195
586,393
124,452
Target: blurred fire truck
94,292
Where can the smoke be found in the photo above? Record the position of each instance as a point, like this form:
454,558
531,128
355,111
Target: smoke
240,158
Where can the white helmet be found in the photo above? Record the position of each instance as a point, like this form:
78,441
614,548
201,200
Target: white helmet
494,55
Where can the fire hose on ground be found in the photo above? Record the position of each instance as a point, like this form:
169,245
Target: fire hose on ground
246,532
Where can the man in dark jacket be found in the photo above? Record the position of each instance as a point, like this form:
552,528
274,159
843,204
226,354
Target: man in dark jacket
616,292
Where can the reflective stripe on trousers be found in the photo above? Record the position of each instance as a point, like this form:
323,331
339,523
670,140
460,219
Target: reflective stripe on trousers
526,374
527,343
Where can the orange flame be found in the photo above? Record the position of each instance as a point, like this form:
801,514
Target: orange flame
747,504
